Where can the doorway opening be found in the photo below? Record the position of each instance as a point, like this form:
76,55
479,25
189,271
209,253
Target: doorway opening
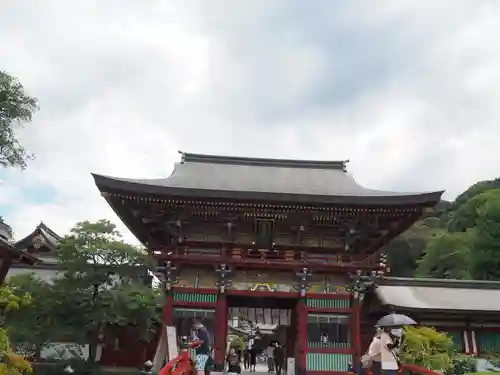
259,323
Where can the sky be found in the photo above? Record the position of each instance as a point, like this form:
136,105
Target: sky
407,90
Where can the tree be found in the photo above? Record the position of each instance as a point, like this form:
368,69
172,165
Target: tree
405,251
447,255
102,288
467,213
16,108
34,325
238,343
473,190
11,363
485,254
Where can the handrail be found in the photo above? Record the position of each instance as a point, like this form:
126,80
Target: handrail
408,367
412,368
182,364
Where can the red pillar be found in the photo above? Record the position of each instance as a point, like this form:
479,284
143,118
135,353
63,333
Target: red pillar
301,343
220,330
356,333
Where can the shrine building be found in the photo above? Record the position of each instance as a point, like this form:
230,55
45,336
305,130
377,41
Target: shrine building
287,242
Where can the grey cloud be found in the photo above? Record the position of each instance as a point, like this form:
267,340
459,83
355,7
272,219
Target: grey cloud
407,90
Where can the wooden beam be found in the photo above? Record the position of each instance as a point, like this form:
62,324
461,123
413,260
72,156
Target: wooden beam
258,264
4,267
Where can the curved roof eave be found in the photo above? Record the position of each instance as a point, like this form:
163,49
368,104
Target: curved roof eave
152,187
24,257
51,237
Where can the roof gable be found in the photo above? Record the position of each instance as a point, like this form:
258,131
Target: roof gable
42,239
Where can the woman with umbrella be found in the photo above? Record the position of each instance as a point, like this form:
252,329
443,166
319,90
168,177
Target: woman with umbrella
371,360
391,342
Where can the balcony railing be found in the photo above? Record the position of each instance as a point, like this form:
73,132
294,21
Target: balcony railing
255,256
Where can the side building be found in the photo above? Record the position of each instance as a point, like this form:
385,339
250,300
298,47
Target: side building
10,255
468,310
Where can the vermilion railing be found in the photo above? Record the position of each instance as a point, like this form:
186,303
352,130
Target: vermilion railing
182,364
416,369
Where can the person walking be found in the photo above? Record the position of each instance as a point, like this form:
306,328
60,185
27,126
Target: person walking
388,358
371,360
253,358
246,357
204,349
279,358
270,357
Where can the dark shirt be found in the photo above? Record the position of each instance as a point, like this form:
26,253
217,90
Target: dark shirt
279,354
203,335
233,359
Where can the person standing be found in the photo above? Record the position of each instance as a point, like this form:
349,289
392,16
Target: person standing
204,349
270,357
246,357
279,358
388,358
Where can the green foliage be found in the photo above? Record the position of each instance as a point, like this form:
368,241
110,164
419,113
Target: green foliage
463,364
459,241
103,286
466,215
16,108
424,346
101,291
476,189
485,257
445,256
405,251
10,301
34,325
238,344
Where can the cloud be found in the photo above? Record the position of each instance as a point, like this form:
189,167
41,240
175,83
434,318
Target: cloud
406,90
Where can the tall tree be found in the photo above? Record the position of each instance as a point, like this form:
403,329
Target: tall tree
104,285
405,251
466,215
447,255
475,189
16,108
485,254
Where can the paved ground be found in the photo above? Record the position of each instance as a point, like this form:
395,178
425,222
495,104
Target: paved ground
260,369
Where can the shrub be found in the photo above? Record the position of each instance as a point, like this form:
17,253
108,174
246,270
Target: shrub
463,364
424,346
12,364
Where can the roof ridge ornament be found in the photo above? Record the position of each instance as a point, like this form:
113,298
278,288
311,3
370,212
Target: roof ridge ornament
264,162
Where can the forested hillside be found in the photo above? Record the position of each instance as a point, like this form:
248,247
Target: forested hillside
459,239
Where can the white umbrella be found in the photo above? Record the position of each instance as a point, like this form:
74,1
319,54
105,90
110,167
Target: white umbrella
395,320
